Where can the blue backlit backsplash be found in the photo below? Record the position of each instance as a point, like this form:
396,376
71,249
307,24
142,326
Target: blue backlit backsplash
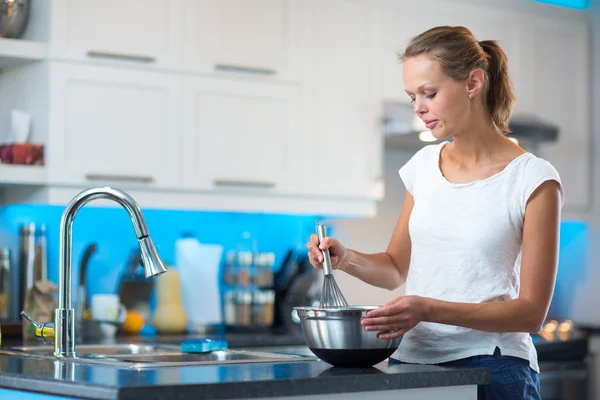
576,4
111,229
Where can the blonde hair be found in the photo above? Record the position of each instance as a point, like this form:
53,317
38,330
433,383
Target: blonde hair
458,53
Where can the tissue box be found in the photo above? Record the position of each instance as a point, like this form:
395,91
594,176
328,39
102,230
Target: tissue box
22,153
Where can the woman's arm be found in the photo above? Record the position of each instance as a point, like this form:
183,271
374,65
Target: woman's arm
386,270
524,314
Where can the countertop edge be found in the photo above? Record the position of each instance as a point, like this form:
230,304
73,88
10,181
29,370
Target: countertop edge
56,388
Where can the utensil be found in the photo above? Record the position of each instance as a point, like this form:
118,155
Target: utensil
336,336
14,16
82,301
331,295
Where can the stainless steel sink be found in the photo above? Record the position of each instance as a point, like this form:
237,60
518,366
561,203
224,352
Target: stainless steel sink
104,349
146,356
209,358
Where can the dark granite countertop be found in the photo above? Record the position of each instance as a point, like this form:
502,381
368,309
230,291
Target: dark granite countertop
223,381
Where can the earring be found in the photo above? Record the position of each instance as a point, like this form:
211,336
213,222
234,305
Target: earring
470,96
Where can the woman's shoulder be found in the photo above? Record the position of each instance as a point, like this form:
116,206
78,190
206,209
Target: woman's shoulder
534,167
533,171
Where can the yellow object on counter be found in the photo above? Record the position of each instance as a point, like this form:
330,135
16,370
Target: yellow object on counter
169,316
44,332
133,323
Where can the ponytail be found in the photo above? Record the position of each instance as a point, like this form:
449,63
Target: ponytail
500,96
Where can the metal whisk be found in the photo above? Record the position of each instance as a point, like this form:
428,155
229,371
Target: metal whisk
331,295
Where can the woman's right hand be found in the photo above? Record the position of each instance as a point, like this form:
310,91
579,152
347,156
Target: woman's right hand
337,252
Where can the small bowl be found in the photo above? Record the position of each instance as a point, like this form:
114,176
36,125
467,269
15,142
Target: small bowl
336,336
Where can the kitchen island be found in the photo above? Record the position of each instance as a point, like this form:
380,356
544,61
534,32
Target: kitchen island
21,377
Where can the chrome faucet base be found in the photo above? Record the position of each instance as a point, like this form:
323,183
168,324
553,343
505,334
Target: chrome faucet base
64,336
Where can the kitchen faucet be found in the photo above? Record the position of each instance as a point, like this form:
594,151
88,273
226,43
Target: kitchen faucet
64,320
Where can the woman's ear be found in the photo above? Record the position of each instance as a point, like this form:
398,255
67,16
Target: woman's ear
475,82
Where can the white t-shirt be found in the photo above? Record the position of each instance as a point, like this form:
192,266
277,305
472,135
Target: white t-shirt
466,247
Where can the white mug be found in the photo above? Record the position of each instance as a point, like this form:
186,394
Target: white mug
107,307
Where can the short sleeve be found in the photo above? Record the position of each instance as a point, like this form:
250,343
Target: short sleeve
408,172
540,171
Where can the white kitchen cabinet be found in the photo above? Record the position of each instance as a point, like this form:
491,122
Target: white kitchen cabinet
142,33
112,125
254,38
239,135
341,151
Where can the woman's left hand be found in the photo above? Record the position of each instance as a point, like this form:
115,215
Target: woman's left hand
396,317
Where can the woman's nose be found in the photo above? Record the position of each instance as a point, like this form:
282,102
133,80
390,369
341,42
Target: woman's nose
419,107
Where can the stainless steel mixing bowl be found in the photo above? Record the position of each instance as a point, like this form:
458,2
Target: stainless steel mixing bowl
336,336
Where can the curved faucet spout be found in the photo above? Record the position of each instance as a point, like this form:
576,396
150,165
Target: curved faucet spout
64,344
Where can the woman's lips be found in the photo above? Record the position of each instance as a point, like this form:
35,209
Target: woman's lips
431,123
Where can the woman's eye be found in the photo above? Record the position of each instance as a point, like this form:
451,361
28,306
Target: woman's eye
412,99
430,96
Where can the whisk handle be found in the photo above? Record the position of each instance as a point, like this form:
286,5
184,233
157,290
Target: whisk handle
322,232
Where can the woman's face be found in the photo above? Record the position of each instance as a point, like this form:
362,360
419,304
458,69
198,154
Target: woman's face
440,101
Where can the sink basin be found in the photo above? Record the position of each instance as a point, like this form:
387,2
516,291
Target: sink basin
104,349
213,357
138,356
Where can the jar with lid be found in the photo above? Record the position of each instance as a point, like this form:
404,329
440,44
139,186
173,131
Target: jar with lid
243,308
263,307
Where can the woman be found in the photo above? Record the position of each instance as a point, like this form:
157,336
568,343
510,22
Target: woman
477,238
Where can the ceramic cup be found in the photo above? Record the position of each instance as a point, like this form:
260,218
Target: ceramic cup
107,307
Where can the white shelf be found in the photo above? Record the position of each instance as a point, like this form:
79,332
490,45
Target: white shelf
15,52
22,174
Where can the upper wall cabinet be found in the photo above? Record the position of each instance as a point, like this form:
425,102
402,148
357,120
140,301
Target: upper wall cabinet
257,37
113,125
239,135
342,138
138,32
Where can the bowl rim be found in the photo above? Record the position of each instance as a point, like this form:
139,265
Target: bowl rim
336,309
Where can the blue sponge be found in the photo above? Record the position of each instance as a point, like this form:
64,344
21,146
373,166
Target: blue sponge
203,345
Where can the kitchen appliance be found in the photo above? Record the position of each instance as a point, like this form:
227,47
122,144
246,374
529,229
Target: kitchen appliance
296,283
134,289
33,262
404,129
4,284
336,336
14,16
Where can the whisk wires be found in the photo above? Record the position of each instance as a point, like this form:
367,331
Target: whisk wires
331,295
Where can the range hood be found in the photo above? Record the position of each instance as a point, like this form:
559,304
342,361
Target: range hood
403,129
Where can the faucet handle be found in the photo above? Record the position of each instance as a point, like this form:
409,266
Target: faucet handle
43,331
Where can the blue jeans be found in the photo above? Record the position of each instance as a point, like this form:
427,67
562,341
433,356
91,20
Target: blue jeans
512,378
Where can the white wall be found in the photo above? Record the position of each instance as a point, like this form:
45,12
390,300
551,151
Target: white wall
585,309
372,235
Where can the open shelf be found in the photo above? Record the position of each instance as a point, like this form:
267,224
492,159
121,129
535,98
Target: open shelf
15,52
22,174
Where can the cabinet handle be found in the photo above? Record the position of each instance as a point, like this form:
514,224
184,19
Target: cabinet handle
242,183
244,70
119,56
125,178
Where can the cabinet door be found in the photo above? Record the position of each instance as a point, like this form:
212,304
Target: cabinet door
113,125
255,37
238,135
137,32
343,136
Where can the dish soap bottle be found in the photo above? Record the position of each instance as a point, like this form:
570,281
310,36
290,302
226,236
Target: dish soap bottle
169,316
